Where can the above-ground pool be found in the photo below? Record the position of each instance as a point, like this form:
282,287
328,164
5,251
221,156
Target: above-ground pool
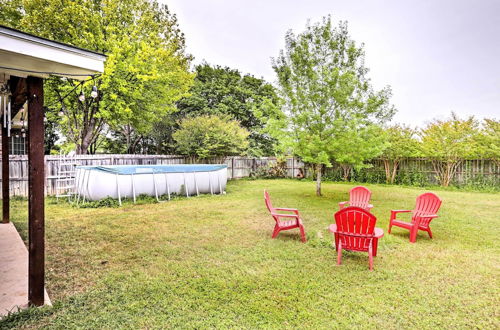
98,182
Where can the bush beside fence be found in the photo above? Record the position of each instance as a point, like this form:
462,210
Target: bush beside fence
417,172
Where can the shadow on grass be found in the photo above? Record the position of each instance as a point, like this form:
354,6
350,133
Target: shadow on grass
288,236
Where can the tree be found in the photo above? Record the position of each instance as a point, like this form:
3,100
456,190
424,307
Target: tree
51,135
323,82
146,70
355,145
489,140
447,143
225,91
10,12
402,143
211,136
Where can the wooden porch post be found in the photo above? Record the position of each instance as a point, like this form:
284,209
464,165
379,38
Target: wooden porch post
36,185
5,177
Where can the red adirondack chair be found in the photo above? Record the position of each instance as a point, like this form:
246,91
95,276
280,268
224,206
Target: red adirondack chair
294,219
355,230
425,210
360,197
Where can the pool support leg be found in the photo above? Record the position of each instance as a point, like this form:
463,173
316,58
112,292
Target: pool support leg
133,186
85,185
156,189
118,190
77,185
185,184
196,184
210,183
168,188
220,186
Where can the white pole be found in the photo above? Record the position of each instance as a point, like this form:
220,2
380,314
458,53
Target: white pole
118,190
133,186
185,184
3,100
9,123
210,183
168,188
220,186
196,184
156,189
77,184
86,185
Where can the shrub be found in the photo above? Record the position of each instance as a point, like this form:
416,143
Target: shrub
211,137
105,202
274,170
448,143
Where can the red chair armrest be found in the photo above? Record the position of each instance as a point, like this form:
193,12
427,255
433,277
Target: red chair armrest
428,215
370,206
342,204
378,232
285,215
400,211
394,212
287,209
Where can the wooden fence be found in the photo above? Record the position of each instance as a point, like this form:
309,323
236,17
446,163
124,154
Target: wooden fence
239,167
420,171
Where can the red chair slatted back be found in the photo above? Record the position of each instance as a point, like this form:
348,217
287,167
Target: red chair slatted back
359,196
269,205
355,228
427,204
267,199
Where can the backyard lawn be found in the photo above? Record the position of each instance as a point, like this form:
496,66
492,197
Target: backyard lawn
209,261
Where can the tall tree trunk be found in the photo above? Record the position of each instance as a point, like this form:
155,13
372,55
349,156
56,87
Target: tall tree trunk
346,169
81,149
133,147
395,165
319,168
85,142
445,170
447,175
387,168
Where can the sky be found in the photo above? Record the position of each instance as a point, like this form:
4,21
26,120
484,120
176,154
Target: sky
438,56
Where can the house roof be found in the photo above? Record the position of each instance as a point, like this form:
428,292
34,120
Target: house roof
23,54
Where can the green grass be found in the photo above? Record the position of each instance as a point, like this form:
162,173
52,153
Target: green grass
209,262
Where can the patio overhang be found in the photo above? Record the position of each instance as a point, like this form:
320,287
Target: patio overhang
24,55
25,60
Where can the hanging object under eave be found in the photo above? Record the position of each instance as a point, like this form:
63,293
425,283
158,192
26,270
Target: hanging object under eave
5,103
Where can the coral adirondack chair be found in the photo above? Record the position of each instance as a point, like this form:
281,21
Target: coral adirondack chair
355,230
425,210
358,196
294,219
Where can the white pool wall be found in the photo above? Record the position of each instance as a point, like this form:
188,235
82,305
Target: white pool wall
93,184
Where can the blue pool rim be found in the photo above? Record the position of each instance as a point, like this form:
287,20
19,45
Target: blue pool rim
143,169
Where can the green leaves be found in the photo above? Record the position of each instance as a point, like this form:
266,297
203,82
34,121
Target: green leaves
224,91
211,136
355,145
402,143
331,110
489,139
448,143
146,71
450,140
